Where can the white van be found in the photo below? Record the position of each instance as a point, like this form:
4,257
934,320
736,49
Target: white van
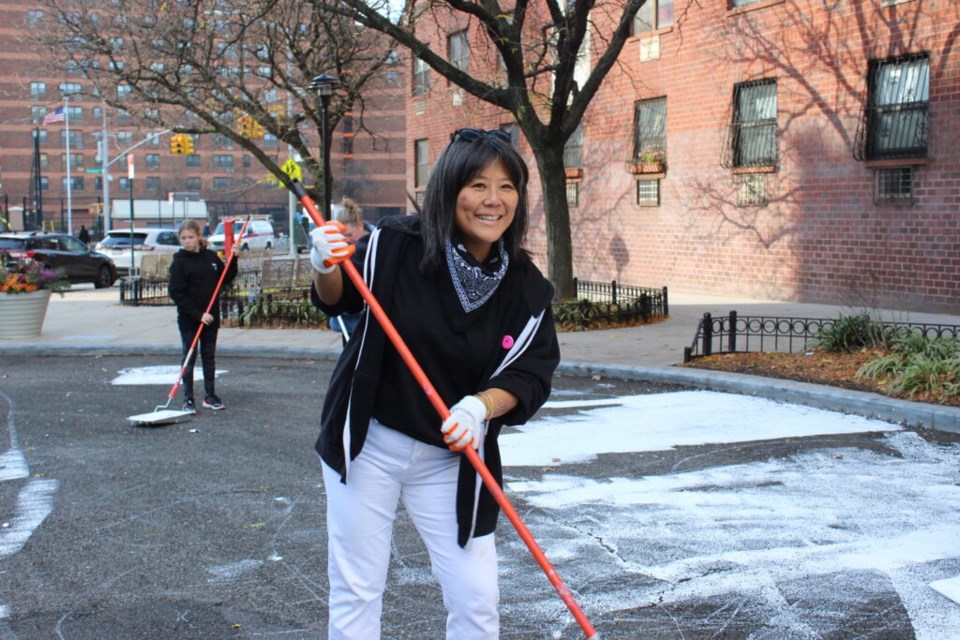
117,242
259,236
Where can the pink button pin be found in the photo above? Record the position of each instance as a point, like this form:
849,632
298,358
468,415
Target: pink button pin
507,342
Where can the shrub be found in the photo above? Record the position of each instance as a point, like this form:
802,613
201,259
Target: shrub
851,333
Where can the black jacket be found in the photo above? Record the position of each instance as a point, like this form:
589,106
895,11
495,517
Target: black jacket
526,370
193,279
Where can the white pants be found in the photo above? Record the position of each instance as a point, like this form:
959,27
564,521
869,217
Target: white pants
360,514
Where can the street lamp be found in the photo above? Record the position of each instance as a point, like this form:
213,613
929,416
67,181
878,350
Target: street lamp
324,84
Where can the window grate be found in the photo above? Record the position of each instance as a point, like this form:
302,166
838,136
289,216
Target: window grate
648,193
751,139
894,185
752,190
894,123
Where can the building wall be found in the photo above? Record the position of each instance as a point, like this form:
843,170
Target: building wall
820,237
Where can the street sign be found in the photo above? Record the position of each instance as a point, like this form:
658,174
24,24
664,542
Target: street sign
96,170
292,169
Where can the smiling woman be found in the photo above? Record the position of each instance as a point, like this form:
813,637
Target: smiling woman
462,290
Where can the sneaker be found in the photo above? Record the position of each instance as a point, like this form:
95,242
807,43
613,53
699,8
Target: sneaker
212,402
188,406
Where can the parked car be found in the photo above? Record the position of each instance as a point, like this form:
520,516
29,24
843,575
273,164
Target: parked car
61,251
259,235
116,244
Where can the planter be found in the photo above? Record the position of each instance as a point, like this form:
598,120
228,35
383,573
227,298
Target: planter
637,167
22,314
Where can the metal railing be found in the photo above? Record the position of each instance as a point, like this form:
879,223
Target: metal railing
738,334
620,300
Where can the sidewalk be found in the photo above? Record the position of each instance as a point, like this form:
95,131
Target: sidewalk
93,322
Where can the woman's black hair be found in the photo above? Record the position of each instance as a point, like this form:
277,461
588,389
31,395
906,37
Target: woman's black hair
459,163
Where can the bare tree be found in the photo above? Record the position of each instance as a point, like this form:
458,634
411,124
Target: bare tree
198,67
550,71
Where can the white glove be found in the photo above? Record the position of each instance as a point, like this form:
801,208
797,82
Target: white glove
466,425
330,247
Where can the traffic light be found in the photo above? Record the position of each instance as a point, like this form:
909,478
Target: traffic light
188,144
176,144
256,130
244,124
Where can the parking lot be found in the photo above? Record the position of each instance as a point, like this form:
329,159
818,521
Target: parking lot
667,514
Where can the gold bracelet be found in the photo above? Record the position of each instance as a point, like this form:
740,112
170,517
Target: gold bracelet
487,404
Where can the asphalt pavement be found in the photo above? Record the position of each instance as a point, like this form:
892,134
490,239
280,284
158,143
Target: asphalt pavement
214,528
93,322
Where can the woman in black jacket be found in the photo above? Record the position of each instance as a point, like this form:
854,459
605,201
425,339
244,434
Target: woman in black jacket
194,274
475,311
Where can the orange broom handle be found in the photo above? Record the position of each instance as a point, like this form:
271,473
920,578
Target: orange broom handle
441,408
196,338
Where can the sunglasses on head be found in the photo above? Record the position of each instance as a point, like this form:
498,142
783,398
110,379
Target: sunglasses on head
470,135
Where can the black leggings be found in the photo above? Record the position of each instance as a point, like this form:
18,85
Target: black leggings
207,349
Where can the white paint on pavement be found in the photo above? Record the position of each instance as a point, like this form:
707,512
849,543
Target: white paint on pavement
161,375
950,587
752,528
13,466
657,422
34,504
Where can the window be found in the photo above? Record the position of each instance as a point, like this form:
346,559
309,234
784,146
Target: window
573,193
38,90
742,3
648,193
124,138
246,161
222,183
754,129
152,184
421,77
752,190
653,15
76,184
75,114
223,162
512,129
193,160
650,132
76,139
44,183
898,99
422,166
44,160
459,50
894,185
124,184
573,150
70,88
42,136
123,91
152,161
193,184
36,114
76,160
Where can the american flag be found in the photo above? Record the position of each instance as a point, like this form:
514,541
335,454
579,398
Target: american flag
54,116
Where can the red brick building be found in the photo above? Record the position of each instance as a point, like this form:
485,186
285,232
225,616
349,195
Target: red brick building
367,162
774,148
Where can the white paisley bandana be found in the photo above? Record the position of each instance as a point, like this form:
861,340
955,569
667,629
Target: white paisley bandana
473,283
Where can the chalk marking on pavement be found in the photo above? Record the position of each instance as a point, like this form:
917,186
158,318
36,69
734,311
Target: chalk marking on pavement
34,504
13,466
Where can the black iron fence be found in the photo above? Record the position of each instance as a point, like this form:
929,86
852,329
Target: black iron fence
735,333
619,301
278,294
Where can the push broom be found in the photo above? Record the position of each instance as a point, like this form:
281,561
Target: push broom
470,452
163,414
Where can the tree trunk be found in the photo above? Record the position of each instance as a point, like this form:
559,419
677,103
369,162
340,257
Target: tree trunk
557,216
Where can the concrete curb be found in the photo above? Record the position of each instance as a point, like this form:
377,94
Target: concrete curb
869,405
